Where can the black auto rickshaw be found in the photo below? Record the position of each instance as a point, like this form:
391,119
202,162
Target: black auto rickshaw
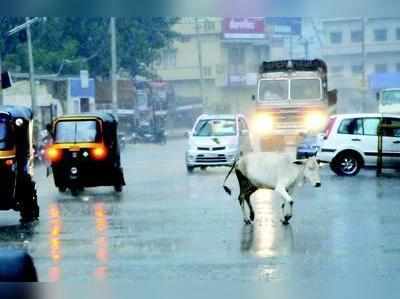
85,152
17,188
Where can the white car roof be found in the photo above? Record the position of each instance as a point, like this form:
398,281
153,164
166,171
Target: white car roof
360,115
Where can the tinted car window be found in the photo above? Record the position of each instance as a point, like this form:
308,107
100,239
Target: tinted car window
351,126
392,132
371,126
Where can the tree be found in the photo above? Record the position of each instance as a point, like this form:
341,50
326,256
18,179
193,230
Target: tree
67,45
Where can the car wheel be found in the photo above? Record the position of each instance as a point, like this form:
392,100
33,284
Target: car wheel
346,164
203,168
189,169
75,191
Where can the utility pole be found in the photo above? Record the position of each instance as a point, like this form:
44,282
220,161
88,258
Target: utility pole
364,71
31,68
306,48
114,67
1,83
200,61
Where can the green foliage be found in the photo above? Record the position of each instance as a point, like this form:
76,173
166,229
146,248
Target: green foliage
67,45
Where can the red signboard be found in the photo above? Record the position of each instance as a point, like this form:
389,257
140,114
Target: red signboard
243,28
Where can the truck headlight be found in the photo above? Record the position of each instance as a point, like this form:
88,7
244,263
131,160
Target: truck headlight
263,123
315,121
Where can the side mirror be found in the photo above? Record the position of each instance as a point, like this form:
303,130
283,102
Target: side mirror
187,134
253,97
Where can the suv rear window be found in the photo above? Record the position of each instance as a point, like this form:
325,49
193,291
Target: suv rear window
360,126
352,126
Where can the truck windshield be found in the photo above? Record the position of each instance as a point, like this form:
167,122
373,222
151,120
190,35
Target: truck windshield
77,131
215,127
5,141
391,97
274,90
305,89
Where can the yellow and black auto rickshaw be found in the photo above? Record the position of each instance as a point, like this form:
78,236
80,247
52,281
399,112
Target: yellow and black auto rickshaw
17,188
85,152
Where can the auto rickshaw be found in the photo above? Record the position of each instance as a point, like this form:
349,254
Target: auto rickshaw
17,188
85,152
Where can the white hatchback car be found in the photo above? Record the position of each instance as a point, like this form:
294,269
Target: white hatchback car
217,140
350,142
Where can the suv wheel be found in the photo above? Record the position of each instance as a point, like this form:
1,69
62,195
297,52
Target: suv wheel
346,164
189,169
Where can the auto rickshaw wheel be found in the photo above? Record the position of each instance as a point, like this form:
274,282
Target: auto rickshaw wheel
118,188
75,191
62,189
29,209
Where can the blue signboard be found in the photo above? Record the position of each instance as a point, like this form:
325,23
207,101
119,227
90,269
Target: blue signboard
77,91
384,80
284,25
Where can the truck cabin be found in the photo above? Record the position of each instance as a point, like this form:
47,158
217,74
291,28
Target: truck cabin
292,81
389,100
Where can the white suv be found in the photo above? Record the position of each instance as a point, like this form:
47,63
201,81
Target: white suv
350,142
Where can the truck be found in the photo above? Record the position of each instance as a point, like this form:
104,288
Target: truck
292,100
389,100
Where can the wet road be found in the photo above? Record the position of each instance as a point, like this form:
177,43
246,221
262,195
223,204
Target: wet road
171,225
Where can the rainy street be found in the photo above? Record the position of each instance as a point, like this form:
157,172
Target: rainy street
168,224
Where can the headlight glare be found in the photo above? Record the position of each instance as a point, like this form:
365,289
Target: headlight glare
263,123
315,121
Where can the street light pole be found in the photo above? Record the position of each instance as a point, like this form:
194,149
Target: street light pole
31,68
114,67
1,83
200,61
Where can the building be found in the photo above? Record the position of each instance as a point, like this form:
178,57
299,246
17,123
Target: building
231,52
352,45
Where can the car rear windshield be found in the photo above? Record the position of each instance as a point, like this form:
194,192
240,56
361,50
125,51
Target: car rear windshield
215,127
77,131
5,140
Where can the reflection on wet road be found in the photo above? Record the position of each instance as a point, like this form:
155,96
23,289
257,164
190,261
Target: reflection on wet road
171,225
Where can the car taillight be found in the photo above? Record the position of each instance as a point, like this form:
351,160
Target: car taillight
53,154
329,127
99,153
9,162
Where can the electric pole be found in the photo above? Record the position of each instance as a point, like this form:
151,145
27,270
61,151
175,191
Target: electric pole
364,71
1,83
31,68
200,61
114,68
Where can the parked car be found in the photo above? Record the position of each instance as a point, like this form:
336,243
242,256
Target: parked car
217,140
350,142
308,146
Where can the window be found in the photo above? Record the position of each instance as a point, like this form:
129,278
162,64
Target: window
392,132
380,35
5,142
207,71
356,36
209,26
274,90
352,126
236,56
380,68
357,69
170,58
371,126
336,37
305,89
77,131
215,127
